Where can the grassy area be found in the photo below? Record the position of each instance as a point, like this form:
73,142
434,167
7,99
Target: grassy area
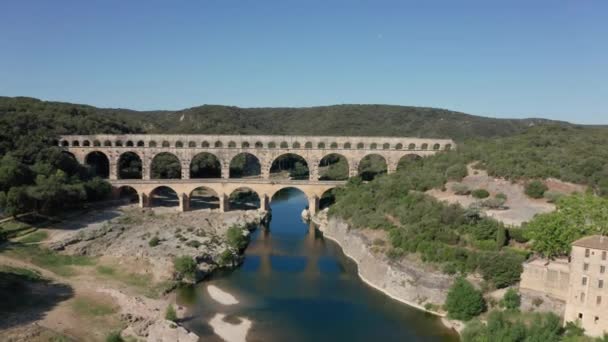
91,307
35,237
142,282
24,273
59,264
16,228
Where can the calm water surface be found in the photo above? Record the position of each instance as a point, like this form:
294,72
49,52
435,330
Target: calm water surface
296,286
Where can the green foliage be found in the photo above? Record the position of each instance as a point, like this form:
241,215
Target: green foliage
535,189
456,172
502,269
154,241
518,235
464,301
511,300
576,216
114,337
34,237
553,196
480,193
236,239
185,267
502,326
170,313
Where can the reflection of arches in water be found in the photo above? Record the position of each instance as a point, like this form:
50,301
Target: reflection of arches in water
98,163
407,159
290,166
244,198
129,166
204,198
245,165
371,166
333,166
205,165
165,165
327,199
128,194
163,196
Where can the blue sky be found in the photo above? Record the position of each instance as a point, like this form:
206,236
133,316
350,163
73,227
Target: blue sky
516,58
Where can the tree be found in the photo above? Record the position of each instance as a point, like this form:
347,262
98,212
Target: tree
576,216
536,189
480,193
464,301
170,314
502,269
185,268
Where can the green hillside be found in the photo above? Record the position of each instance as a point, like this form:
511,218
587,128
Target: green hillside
372,120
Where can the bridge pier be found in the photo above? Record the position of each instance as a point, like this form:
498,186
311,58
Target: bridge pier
224,203
184,203
313,204
144,201
264,202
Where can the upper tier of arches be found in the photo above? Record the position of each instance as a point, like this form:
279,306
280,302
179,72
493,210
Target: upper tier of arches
256,142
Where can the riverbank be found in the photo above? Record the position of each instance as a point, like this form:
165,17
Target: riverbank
405,281
115,267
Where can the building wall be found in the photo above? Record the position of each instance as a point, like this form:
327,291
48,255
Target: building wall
583,304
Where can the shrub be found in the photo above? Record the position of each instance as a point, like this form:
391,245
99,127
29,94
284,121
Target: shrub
114,337
185,267
502,269
456,172
494,203
480,193
501,196
461,189
235,238
464,301
553,196
535,189
154,241
511,300
193,243
517,234
170,314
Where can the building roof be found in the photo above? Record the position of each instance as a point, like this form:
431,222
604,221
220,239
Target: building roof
594,241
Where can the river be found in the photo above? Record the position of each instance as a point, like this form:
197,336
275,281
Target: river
297,286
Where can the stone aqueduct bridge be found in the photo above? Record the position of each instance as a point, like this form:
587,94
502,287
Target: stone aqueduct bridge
266,148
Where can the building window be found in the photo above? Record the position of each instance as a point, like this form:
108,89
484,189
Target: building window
602,269
596,319
598,300
586,252
603,255
585,266
580,315
600,284
582,297
584,280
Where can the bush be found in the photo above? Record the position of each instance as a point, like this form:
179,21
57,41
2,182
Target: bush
480,193
193,243
456,172
114,337
185,267
553,196
501,196
170,314
235,238
461,189
502,269
535,189
464,301
494,203
517,234
154,242
511,300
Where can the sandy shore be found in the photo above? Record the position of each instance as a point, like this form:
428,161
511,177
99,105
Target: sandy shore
229,332
221,296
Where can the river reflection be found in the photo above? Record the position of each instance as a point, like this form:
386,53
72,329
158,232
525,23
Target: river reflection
296,286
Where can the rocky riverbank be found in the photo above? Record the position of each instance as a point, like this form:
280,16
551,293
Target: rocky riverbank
147,242
407,281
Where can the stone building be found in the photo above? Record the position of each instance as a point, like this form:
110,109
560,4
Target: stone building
587,297
574,289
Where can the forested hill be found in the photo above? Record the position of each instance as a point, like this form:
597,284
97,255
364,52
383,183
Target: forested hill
372,120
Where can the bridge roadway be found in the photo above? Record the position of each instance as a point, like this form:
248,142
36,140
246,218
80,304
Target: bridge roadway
264,188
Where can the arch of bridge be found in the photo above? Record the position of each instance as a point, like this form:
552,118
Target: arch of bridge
312,149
